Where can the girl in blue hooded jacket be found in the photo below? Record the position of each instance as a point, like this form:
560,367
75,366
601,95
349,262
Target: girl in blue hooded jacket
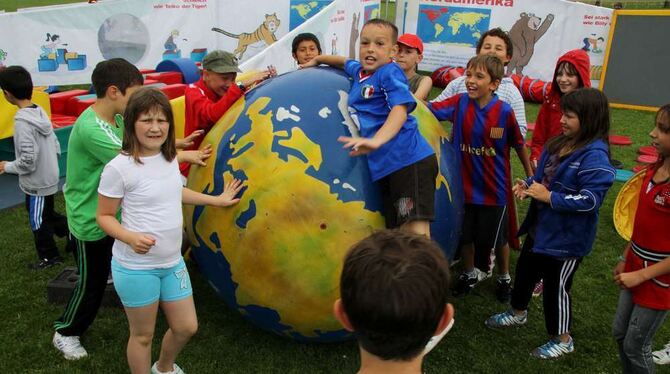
569,185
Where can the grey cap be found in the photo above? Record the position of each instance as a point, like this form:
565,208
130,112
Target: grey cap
221,62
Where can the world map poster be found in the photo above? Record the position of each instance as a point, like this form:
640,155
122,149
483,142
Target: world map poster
452,25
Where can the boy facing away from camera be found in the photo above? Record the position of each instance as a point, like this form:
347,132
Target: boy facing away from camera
394,287
36,164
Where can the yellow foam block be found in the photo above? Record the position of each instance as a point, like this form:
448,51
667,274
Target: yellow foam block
625,205
70,55
7,111
179,112
52,56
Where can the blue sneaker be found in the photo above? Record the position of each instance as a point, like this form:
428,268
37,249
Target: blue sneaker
506,319
554,348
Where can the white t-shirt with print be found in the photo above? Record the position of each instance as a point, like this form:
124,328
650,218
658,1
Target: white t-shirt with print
151,204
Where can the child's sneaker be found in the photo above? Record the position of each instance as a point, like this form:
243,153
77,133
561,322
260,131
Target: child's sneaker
46,263
539,287
504,290
175,369
466,282
662,356
554,348
69,346
506,319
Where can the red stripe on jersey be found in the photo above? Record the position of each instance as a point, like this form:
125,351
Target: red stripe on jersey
489,163
515,139
467,123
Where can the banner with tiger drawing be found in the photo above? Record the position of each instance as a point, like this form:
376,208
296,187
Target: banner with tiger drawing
337,26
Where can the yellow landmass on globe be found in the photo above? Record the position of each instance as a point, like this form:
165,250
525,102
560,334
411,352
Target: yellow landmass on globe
434,132
470,19
438,29
275,261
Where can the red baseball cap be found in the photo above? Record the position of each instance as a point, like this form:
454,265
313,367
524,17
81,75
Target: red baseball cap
411,41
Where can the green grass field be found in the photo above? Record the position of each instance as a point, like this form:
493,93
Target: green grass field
227,343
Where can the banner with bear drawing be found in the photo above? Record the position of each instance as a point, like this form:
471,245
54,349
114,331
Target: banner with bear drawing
62,44
541,31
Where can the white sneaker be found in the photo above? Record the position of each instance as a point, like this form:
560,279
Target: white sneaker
69,346
483,275
175,369
662,356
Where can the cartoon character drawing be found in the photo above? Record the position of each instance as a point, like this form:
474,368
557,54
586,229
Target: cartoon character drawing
51,45
591,44
3,57
171,43
333,44
524,34
264,33
305,9
353,37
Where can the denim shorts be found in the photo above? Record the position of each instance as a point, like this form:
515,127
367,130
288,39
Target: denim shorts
142,287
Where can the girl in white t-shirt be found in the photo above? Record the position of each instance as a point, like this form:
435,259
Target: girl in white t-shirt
147,265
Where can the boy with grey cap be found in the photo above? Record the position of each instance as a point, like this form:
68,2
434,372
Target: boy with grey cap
208,99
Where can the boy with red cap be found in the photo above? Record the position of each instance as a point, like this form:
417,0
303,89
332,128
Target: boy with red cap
410,53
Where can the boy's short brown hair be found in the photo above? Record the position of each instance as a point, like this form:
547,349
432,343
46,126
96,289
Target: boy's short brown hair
394,287
498,33
115,72
384,23
17,81
492,64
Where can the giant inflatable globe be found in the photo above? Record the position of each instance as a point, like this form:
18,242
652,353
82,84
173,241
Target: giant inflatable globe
276,256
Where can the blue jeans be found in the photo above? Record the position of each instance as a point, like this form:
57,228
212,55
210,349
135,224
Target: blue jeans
634,328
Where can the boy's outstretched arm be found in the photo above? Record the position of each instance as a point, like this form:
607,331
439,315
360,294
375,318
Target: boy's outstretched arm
394,122
332,60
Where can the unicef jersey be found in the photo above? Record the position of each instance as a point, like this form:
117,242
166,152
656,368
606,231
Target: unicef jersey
483,137
370,101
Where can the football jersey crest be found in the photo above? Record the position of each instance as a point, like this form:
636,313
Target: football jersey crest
497,132
367,91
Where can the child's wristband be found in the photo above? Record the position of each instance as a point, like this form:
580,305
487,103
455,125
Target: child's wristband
622,259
